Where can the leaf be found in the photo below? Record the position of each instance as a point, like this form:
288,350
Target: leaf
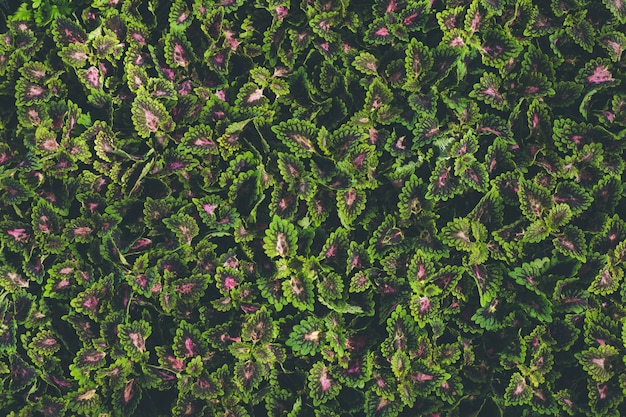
67,32
259,328
607,281
366,63
518,392
75,54
350,203
251,95
463,234
418,62
597,74
494,6
381,405
45,343
581,31
188,343
558,216
618,9
90,302
537,306
298,135
133,339
183,226
530,274
494,315
190,289
472,173
498,47
443,184
379,32
597,362
281,238
248,375
488,90
615,43
378,95
572,194
180,16
487,281
199,140
534,199
150,116
88,359
424,308
178,51
330,286
306,337
298,290
571,242
322,387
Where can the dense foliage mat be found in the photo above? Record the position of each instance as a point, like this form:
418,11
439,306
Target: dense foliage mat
312,208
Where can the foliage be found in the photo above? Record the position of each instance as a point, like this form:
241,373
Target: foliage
312,208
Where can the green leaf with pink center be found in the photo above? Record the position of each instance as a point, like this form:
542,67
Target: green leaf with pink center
599,362
150,116
281,238
322,386
133,337
183,226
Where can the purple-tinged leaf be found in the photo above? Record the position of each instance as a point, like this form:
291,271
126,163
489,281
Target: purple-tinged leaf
488,90
380,31
443,184
298,135
133,337
498,48
20,374
67,32
571,242
597,73
178,50
322,387
50,406
518,392
12,281
618,8
150,116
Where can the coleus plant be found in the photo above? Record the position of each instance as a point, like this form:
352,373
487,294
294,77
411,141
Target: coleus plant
318,208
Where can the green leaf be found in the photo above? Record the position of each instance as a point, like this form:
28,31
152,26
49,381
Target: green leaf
597,362
571,242
418,62
281,238
259,328
618,8
498,47
518,391
178,50
299,291
366,63
463,234
322,387
306,337
183,226
350,203
607,281
150,116
248,375
298,135
535,200
133,339
488,91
